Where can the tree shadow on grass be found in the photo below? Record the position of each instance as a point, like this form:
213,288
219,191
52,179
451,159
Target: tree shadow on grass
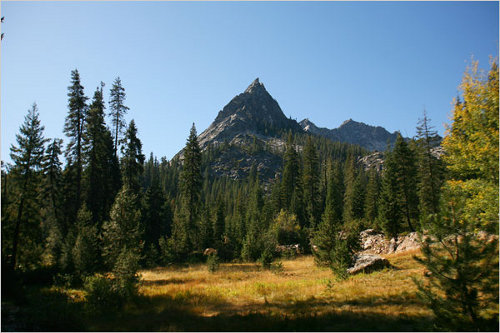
53,310
193,312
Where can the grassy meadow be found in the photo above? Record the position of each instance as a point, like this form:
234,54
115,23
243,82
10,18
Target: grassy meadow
243,297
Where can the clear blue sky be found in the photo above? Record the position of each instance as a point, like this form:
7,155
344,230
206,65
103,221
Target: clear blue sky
379,63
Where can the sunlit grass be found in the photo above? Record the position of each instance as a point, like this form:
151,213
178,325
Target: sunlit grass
300,290
245,297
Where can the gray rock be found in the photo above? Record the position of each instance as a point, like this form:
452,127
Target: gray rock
368,263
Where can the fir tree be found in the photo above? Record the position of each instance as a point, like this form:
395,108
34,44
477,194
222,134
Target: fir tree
406,177
156,218
28,157
52,190
123,229
132,160
311,183
389,210
292,196
74,128
101,176
85,251
354,191
219,221
430,169
191,185
372,197
117,111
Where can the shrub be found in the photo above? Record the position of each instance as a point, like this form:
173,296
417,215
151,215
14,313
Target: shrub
102,295
266,258
213,262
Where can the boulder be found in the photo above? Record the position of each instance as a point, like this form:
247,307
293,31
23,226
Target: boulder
368,263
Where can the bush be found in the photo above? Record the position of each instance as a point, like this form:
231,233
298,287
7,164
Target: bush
266,259
102,295
213,262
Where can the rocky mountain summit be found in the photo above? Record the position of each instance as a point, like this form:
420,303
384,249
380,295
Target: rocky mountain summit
251,128
367,136
253,113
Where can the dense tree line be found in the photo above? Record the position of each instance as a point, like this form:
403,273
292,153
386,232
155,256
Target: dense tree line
178,208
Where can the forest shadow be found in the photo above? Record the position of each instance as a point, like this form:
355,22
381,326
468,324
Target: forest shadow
175,316
52,310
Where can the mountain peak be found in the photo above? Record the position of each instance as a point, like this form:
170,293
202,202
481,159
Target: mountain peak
347,122
255,86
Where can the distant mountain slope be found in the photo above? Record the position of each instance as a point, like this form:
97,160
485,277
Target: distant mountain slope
369,137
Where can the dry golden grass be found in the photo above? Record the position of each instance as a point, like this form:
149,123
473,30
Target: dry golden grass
300,291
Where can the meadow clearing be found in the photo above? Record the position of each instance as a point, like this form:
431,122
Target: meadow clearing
244,297
299,296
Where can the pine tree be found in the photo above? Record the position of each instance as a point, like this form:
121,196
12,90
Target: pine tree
333,244
462,284
28,158
219,221
430,169
372,196
406,177
74,128
117,111
389,210
311,183
292,195
101,176
191,185
132,159
354,191
156,218
86,249
52,190
123,229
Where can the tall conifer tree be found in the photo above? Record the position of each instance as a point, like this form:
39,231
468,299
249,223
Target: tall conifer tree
101,173
28,158
430,168
191,186
117,111
74,128
132,159
311,181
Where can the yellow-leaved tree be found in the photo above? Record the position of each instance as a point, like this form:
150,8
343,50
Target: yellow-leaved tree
461,252
471,145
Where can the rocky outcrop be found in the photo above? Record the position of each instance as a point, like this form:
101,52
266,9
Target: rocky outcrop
374,160
366,263
373,242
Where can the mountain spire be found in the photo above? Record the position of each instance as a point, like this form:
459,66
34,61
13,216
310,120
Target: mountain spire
256,85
